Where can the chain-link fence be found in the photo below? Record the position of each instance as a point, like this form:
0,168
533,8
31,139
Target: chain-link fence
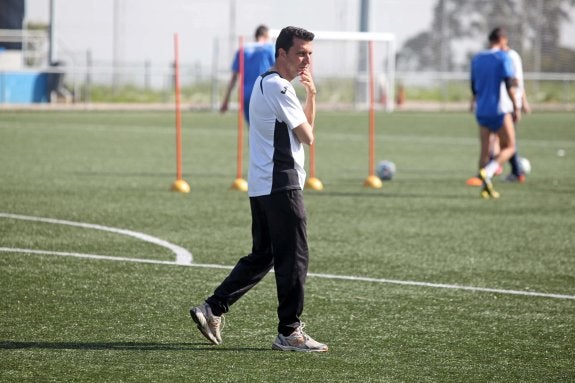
432,56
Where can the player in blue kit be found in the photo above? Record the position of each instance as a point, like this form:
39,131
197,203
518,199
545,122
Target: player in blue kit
489,68
280,126
517,173
258,58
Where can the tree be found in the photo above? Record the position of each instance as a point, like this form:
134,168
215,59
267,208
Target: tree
534,29
417,53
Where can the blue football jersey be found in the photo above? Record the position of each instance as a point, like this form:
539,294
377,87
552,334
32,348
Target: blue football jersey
258,58
488,69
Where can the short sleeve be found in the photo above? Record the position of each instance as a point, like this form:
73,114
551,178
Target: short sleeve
271,55
508,70
285,104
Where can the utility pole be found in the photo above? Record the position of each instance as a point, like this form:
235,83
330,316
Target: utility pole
116,44
538,43
361,80
232,25
443,50
51,35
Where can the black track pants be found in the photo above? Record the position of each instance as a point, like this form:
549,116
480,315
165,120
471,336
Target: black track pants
279,241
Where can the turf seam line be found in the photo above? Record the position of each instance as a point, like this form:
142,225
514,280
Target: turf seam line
316,275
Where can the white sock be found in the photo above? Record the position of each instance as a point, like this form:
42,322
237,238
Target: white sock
491,168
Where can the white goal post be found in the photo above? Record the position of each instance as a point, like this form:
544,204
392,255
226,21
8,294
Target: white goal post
343,57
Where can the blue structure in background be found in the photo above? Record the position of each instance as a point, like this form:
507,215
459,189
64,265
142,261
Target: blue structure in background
23,87
19,86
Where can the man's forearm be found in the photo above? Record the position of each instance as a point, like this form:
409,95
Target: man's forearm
309,108
231,86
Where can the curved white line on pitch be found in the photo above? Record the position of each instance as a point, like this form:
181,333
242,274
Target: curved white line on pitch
183,256
325,276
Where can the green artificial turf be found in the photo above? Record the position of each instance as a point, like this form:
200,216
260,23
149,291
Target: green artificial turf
76,319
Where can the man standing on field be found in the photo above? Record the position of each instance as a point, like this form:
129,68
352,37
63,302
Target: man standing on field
279,127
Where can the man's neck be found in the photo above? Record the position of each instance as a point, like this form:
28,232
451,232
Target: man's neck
283,73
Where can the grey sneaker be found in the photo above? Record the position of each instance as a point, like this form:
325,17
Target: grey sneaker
298,341
209,324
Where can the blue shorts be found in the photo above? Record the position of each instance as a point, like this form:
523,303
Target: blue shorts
493,123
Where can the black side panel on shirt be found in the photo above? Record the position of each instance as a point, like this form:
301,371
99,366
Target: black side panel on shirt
285,175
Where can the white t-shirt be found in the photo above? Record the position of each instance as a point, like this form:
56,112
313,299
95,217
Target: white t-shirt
505,101
276,155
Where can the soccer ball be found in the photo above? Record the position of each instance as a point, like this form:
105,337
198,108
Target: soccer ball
525,165
385,170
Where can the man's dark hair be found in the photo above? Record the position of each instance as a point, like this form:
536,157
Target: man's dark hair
261,30
286,36
497,34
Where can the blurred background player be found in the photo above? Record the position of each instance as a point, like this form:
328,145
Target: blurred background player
517,174
489,68
258,58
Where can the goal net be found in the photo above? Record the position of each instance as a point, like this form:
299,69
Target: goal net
342,71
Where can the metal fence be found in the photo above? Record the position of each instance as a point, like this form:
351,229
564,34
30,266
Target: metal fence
141,83
146,83
432,58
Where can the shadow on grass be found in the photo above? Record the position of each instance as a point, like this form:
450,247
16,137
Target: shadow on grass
122,346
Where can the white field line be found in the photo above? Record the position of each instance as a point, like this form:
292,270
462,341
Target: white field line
316,275
445,286
183,256
87,256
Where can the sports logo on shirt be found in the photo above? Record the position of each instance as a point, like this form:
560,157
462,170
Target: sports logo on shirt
284,90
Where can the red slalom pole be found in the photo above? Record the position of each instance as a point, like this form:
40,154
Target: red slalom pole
372,180
312,161
371,112
313,182
239,183
179,184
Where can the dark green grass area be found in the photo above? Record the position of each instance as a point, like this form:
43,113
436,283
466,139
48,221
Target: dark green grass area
70,319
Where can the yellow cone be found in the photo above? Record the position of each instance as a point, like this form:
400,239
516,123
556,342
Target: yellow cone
373,182
240,185
180,186
314,184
